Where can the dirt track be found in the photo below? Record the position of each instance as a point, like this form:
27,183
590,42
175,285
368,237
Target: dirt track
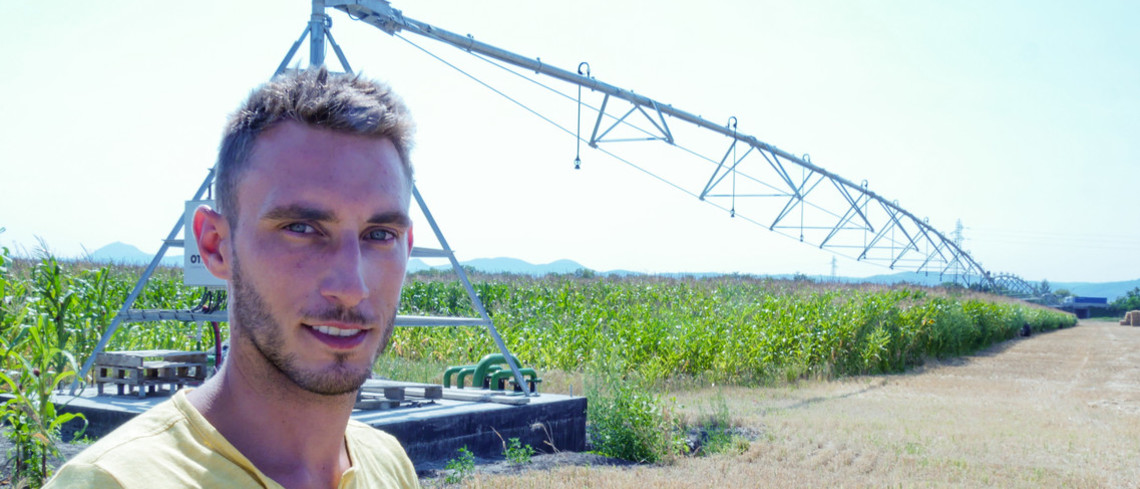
1060,409
1056,410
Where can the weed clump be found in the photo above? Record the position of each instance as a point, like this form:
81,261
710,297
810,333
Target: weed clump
626,419
517,453
460,467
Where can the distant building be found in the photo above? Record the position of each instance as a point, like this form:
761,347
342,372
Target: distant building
1081,306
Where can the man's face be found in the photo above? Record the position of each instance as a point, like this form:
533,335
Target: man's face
319,253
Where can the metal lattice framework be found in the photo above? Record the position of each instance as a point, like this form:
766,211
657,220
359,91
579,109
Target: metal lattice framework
749,178
1012,285
318,33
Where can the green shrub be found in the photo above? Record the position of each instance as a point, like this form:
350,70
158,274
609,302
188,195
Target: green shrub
1128,302
627,421
460,467
517,453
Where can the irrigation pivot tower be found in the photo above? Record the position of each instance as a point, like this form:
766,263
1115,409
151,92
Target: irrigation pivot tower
213,309
748,178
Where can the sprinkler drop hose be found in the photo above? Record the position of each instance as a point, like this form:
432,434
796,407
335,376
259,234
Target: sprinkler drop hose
217,345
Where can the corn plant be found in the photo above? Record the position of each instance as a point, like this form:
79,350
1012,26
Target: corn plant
33,419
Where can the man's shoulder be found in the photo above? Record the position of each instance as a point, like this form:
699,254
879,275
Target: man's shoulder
379,456
373,443
153,425
164,447
130,446
365,433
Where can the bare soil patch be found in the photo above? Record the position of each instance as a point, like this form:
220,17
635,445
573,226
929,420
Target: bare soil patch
1053,410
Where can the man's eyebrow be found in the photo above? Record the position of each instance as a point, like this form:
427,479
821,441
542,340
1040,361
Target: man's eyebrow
299,212
398,218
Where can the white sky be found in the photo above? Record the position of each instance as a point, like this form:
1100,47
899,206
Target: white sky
1017,117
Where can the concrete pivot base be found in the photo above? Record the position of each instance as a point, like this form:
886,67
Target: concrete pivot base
430,432
436,432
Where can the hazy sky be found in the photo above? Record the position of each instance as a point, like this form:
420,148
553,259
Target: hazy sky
1017,117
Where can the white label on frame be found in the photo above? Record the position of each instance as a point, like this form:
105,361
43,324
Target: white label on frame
194,272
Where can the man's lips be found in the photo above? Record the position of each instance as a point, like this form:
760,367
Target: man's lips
338,336
336,331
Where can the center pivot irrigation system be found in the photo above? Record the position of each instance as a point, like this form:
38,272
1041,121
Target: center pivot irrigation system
748,178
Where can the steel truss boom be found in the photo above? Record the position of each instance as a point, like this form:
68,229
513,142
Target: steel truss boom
889,234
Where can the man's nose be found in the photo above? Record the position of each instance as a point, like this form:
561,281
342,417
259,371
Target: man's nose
344,278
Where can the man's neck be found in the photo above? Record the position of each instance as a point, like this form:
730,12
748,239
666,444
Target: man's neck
292,436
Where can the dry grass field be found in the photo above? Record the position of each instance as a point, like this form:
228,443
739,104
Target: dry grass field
1060,409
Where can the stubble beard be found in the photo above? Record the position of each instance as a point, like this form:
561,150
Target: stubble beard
252,315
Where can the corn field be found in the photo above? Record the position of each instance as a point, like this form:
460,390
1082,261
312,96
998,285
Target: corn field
625,333
71,303
728,329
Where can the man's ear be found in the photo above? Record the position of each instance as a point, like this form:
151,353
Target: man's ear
410,240
212,232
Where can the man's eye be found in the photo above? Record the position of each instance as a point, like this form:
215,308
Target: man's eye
380,235
300,228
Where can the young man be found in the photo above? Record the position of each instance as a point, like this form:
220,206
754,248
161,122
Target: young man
312,235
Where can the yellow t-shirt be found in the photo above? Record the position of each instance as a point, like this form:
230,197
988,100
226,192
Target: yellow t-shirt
173,446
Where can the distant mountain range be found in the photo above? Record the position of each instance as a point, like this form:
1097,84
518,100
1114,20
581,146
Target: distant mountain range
1109,290
121,253
125,254
504,265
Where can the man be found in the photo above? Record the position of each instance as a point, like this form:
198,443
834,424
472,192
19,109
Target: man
312,235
